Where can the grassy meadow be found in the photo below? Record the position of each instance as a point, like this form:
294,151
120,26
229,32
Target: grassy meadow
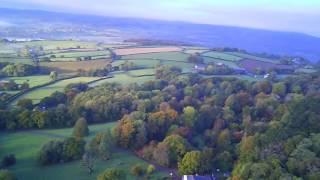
26,144
222,56
40,93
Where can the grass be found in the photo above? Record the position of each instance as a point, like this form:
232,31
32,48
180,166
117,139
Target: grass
40,93
223,56
123,79
242,77
173,56
145,63
16,60
141,72
79,54
304,70
31,80
194,51
145,50
228,63
63,67
26,144
63,44
248,56
186,67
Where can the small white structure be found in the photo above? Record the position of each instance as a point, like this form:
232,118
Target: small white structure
266,76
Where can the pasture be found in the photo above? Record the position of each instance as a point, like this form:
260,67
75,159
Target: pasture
222,56
144,63
194,51
252,65
59,44
65,67
172,56
73,55
31,80
40,93
130,51
123,79
141,72
26,144
231,64
248,56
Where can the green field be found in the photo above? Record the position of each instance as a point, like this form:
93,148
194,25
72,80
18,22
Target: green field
248,56
145,63
174,56
141,72
195,50
26,144
40,93
223,56
74,55
123,79
31,80
16,60
228,63
242,77
63,44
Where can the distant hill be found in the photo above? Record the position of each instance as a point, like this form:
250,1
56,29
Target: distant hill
71,25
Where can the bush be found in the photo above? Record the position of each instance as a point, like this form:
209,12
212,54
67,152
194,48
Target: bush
81,128
112,174
8,160
6,175
138,170
25,103
58,151
150,169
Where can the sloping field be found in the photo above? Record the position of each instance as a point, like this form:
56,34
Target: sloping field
16,60
31,80
74,66
248,56
252,65
142,72
26,144
123,79
67,44
145,63
129,51
173,56
222,56
40,93
231,64
72,54
194,51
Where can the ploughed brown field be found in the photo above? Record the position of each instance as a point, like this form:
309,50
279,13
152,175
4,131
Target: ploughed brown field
130,51
252,65
65,67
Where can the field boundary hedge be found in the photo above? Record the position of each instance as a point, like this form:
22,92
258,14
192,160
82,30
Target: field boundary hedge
16,96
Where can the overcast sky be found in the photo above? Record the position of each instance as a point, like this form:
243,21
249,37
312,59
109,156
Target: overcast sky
285,15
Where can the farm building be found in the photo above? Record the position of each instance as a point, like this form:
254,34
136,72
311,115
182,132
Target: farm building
199,67
192,177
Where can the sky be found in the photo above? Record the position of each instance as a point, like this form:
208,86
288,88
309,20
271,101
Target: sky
283,15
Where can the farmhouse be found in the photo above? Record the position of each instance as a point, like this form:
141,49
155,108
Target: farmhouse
192,177
199,67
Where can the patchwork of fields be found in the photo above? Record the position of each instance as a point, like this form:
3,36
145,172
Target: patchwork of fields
65,55
64,58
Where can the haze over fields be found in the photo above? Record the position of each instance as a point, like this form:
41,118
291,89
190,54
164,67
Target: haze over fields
43,24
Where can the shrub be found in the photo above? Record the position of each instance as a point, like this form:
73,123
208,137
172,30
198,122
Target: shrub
138,170
8,160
